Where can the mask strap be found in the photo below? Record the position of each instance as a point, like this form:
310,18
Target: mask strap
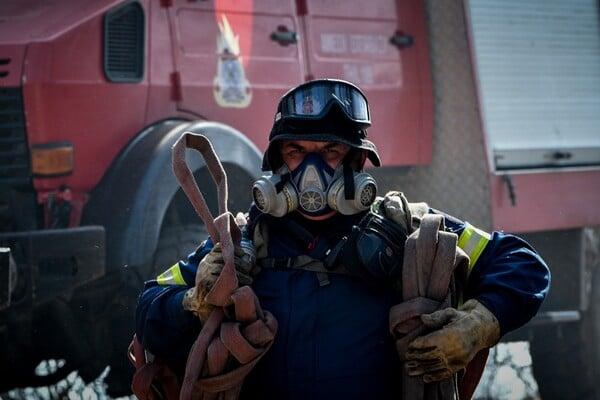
285,178
348,182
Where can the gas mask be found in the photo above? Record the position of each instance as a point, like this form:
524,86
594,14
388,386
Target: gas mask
315,189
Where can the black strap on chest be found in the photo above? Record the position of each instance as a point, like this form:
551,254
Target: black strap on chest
372,251
303,262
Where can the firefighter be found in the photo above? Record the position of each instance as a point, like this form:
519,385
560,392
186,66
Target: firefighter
323,254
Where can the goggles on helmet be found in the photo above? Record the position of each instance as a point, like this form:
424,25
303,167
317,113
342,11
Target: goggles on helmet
313,100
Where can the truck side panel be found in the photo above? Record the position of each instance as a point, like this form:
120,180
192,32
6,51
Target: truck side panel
383,48
544,202
229,67
68,99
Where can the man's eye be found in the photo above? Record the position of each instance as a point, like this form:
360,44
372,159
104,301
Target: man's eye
293,153
333,152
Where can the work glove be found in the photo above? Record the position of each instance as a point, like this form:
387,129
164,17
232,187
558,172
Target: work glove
395,207
209,270
459,335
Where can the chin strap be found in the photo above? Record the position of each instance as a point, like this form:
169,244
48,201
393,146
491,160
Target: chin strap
348,182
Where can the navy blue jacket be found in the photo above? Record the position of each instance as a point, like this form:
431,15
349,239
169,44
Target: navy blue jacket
333,340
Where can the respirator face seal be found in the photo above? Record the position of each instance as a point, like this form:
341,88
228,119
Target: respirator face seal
314,188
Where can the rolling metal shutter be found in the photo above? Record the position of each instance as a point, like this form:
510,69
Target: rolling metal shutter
538,69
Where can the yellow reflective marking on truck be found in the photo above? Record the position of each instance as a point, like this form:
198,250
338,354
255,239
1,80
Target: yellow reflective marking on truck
172,276
473,240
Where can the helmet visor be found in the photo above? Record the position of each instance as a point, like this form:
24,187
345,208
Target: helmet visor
313,101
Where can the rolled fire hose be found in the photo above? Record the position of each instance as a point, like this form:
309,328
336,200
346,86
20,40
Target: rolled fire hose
238,332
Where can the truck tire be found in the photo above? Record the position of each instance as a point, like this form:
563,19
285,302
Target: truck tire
175,243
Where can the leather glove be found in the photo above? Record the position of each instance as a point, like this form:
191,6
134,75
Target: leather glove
395,207
459,336
209,270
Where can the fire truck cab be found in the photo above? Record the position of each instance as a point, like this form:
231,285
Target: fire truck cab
94,94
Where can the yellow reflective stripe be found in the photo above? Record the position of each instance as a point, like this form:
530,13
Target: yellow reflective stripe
473,240
172,276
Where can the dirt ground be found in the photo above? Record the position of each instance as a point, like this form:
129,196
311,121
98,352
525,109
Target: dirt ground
508,376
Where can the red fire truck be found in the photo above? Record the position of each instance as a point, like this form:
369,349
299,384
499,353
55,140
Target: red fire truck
485,110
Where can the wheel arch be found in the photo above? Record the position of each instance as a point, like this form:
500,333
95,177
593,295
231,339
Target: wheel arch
140,191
